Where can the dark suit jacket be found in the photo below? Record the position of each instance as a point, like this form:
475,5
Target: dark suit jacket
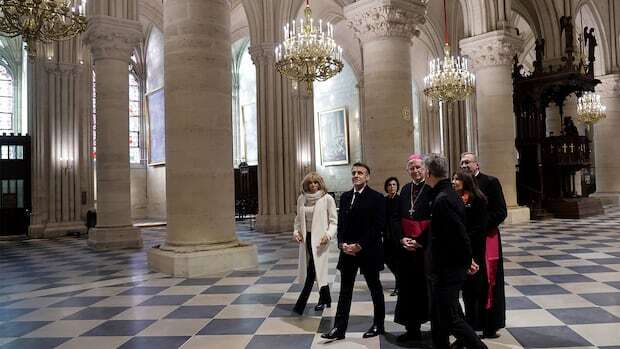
362,224
496,207
450,247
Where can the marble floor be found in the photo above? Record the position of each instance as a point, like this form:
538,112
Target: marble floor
562,288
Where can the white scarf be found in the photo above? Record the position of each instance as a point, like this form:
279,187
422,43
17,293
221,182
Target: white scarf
311,199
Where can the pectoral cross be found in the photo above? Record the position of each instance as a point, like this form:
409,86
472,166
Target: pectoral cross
411,211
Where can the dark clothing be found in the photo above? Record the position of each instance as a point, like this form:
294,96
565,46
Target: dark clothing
450,257
412,305
447,315
495,316
474,289
324,294
391,244
361,222
449,245
347,281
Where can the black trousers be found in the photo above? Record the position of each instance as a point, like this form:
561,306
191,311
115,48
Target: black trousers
324,295
347,280
446,312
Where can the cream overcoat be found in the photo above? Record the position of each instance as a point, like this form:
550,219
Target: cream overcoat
324,222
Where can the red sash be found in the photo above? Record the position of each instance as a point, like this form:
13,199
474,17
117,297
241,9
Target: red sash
412,228
492,262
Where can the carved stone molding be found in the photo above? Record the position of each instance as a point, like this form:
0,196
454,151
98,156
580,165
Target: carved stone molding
609,86
377,19
111,37
63,68
493,48
263,53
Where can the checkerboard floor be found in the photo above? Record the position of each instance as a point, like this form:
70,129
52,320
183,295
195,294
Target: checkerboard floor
562,289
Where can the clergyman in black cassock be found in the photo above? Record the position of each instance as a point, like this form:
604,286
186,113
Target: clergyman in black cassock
361,218
412,308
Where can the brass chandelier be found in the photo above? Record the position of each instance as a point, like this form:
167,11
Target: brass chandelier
308,52
41,20
590,110
449,79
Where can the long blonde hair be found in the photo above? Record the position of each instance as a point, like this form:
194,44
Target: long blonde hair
313,177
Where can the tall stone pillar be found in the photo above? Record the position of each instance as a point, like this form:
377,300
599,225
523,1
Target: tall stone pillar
607,158
492,54
111,41
385,29
278,165
200,190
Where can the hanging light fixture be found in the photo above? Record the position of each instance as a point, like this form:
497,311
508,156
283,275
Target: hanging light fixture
41,20
449,79
308,52
590,110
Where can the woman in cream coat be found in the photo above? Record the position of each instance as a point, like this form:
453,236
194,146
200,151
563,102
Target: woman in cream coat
315,225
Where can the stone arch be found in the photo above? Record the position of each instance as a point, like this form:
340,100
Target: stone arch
593,15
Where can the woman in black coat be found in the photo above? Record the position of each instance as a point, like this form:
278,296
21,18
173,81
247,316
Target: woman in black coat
391,243
474,289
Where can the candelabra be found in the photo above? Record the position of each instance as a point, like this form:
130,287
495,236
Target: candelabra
41,20
590,110
308,52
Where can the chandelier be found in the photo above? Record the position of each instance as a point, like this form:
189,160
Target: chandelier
308,51
590,110
41,20
449,79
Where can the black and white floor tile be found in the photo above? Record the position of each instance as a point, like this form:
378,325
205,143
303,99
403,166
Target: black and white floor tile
562,289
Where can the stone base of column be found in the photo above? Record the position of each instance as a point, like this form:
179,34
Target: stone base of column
203,263
274,223
35,231
518,214
53,230
109,238
607,198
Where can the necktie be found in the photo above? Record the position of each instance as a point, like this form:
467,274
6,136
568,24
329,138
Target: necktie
355,194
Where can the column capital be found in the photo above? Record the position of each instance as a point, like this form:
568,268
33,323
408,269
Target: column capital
262,53
111,37
378,19
609,86
492,48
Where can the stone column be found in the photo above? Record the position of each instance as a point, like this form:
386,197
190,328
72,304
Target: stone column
278,167
492,54
303,109
111,41
385,29
201,236
607,158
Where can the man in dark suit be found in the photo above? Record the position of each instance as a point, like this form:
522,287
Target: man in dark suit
361,218
450,259
495,313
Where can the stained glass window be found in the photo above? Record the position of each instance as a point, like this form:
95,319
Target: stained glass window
6,100
135,113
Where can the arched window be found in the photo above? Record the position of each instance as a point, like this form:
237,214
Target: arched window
135,113
7,93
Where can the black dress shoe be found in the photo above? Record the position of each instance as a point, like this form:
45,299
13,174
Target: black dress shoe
321,307
334,333
490,334
373,332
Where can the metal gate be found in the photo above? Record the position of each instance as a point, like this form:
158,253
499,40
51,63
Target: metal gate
15,202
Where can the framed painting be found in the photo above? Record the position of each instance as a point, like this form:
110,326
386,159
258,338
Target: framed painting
333,137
